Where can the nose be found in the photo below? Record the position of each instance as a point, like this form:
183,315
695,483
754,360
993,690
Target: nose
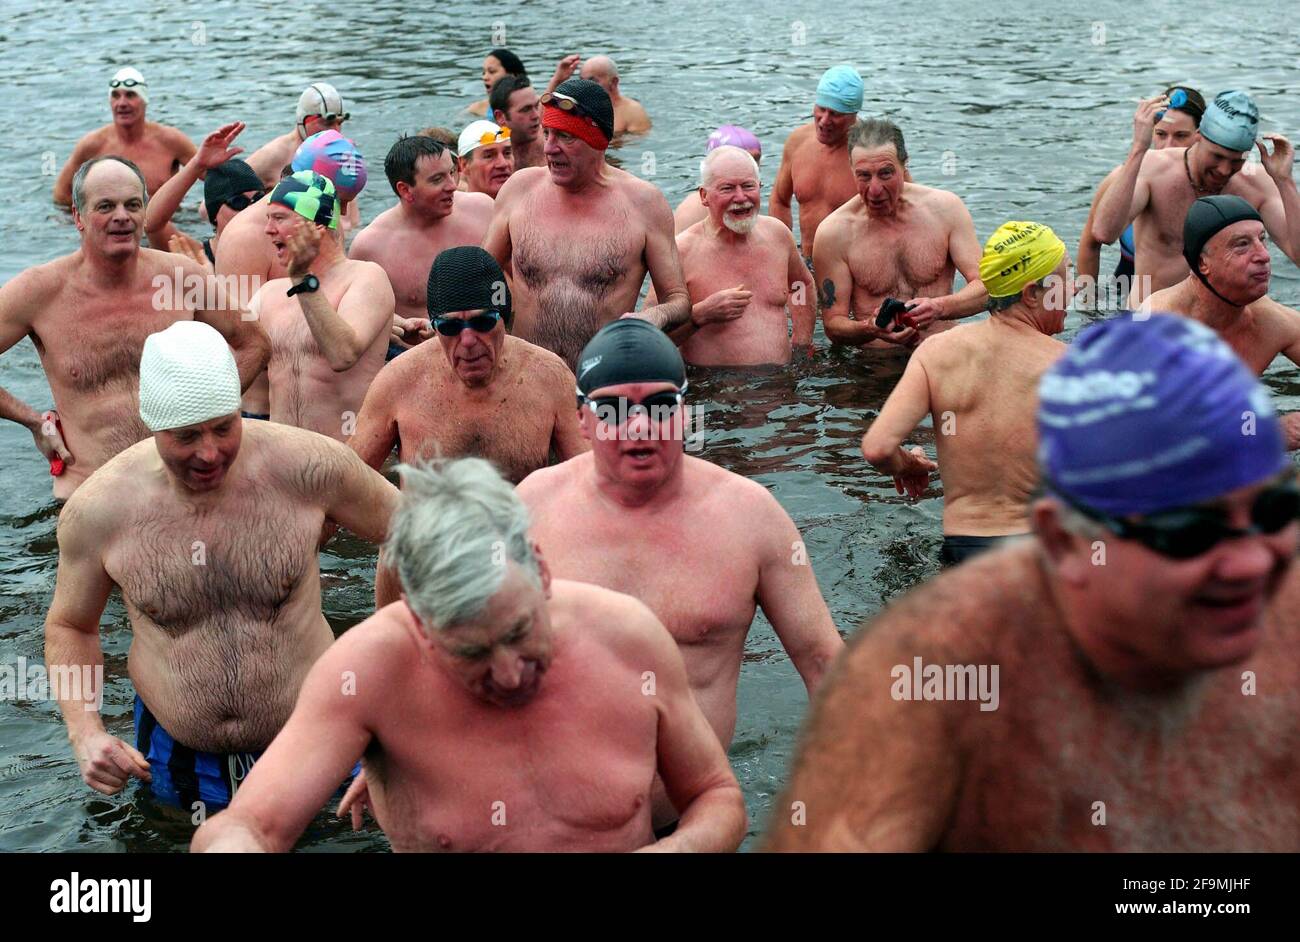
207,451
507,669
1245,559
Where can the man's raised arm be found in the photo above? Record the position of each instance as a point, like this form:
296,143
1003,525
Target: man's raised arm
664,265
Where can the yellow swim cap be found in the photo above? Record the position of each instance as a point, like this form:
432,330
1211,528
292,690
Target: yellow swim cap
1017,254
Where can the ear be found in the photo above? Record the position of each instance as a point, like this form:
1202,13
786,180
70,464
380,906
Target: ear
1069,554
404,191
542,567
76,218
498,116
586,422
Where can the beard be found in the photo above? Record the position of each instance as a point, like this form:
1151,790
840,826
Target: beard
740,226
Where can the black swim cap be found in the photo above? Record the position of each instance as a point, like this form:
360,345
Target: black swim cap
594,101
1207,216
468,278
226,180
629,350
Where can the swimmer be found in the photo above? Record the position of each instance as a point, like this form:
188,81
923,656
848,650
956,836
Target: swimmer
210,530
477,391
491,687
566,288
1176,127
496,65
486,157
157,149
979,383
515,105
338,159
1227,291
815,167
320,108
894,239
229,187
328,321
1092,675
88,314
629,115
430,216
1154,190
690,210
743,271
701,546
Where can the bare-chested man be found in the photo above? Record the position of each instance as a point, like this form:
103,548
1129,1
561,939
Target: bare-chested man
742,272
157,149
1083,691
979,383
430,215
701,546
476,391
328,321
515,105
690,210
210,530
1227,291
486,157
629,114
815,162
495,708
320,108
897,240
579,236
88,314
1154,189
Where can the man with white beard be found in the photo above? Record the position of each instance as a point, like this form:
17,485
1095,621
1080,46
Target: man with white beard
743,271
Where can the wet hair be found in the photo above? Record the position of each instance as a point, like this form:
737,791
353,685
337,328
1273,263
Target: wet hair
509,61
499,99
458,524
79,180
877,132
399,165
1195,105
706,165
444,136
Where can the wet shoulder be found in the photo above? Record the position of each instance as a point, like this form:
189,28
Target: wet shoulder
736,494
798,139
521,183
546,486
537,361
620,622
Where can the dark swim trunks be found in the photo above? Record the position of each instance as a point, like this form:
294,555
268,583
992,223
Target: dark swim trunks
255,415
394,351
665,830
181,775
958,549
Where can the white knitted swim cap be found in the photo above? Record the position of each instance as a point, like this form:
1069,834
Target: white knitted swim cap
134,76
187,376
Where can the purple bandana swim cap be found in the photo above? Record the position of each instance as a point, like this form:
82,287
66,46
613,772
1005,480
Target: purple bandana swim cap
1147,415
332,155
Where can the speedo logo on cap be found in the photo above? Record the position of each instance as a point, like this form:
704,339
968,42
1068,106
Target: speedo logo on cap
588,365
1094,387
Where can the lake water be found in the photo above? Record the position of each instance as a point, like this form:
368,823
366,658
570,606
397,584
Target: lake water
1021,118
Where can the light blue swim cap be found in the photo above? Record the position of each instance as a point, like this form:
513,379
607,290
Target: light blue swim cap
1147,415
840,90
1231,121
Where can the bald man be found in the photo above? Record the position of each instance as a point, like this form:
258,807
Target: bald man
629,116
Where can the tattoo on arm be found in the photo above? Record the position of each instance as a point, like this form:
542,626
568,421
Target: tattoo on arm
828,293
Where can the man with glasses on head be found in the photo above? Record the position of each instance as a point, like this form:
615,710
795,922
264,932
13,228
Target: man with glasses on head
157,149
486,157
579,236
476,390
320,108
1129,680
701,546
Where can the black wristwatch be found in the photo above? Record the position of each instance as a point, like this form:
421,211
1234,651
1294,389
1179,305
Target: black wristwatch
307,285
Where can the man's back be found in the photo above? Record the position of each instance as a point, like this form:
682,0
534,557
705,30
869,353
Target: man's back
983,381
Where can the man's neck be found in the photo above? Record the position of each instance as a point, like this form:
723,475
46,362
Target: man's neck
329,255
590,184
1194,176
111,272
415,219
1211,310
721,233
1017,317
131,132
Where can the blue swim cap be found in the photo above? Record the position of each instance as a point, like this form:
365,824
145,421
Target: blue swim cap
1147,415
1231,121
840,90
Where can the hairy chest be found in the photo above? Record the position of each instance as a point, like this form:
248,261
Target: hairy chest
902,260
